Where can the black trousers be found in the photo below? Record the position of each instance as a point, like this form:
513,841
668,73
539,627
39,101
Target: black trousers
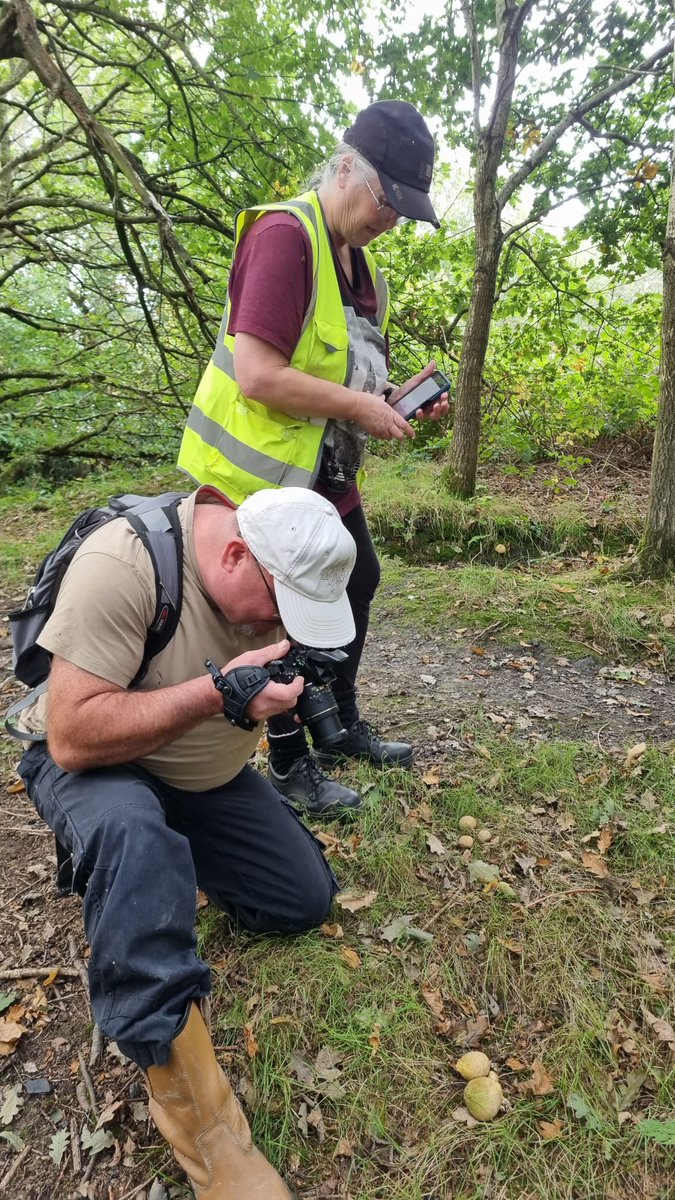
361,589
139,851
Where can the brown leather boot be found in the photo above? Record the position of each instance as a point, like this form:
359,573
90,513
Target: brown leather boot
194,1107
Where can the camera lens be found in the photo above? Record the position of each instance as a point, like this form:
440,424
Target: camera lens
318,710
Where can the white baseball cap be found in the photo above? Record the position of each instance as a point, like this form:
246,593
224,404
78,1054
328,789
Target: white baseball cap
300,539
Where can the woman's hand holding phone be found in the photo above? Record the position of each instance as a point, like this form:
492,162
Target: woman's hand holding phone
424,396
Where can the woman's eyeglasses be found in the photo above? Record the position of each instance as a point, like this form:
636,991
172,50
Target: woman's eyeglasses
384,209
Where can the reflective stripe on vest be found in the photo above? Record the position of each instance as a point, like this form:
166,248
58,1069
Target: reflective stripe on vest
241,445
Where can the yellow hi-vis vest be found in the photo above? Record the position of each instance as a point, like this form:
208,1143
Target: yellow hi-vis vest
241,445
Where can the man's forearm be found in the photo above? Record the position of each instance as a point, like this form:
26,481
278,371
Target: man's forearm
118,727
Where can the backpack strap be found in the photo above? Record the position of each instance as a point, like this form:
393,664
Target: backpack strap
155,521
160,532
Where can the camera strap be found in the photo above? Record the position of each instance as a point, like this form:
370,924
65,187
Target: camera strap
237,688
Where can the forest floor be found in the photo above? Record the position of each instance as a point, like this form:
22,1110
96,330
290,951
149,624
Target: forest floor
541,701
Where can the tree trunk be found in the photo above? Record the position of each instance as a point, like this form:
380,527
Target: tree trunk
657,549
460,474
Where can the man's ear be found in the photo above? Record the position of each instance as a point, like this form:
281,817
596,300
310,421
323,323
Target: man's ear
234,554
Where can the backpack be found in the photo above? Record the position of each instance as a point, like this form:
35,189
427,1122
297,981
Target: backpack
155,520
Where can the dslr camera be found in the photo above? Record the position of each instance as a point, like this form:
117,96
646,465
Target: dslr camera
316,704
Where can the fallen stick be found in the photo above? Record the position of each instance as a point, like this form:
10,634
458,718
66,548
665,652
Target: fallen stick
9,1175
88,1082
36,972
560,895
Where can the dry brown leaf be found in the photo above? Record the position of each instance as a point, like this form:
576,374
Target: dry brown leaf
356,903
605,839
541,1083
595,864
431,778
663,1029
202,899
374,1040
350,957
343,1149
332,930
252,1046
634,755
515,1064
10,1032
433,1000
550,1129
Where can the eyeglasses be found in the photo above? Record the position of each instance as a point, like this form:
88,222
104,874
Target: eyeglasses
384,209
270,591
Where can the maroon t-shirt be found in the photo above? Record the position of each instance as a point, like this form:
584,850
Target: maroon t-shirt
270,288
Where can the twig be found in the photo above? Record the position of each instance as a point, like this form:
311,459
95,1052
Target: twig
89,1085
36,972
443,909
9,1175
75,1146
96,1046
560,895
139,1188
80,967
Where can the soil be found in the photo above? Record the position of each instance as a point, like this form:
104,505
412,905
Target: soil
428,688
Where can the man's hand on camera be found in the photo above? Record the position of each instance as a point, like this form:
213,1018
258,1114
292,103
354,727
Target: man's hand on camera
433,412
275,697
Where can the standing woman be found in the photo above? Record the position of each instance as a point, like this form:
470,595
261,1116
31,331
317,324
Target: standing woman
298,381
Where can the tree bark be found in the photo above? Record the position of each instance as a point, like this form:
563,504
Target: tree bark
657,549
460,474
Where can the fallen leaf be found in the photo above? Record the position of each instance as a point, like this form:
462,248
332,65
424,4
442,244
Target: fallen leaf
332,931
663,1029
541,1083
10,1032
355,903
463,1117
350,957
435,844
58,1145
12,1101
252,1046
343,1149
550,1129
595,864
431,778
374,1040
634,755
482,872
433,1000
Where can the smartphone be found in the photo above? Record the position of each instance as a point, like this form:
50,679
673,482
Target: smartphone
427,392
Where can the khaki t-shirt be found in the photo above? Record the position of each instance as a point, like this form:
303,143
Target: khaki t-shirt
100,622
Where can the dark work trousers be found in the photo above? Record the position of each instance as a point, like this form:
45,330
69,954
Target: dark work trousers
139,851
287,740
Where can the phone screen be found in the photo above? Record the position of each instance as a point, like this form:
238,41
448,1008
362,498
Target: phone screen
429,389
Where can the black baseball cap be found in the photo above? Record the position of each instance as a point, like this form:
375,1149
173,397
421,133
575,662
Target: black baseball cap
396,140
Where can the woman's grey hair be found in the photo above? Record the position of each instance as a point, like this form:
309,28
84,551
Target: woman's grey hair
329,170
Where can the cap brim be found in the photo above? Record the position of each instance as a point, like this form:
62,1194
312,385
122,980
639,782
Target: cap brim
325,625
408,201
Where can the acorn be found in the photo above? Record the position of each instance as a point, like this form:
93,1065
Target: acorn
484,1097
473,1065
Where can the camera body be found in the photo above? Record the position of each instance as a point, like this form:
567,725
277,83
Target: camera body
316,704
